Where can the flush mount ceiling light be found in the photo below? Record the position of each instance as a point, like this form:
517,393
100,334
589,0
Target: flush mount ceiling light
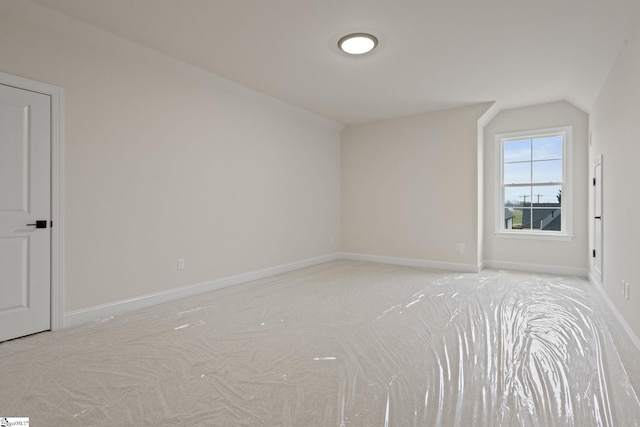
357,43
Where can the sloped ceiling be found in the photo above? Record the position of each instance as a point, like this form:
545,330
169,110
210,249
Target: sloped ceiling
432,54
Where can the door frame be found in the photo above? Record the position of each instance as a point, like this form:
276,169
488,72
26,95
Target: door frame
57,187
598,273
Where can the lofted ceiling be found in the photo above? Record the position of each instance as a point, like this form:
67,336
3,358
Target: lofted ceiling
432,54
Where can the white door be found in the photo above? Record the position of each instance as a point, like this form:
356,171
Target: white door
597,221
25,198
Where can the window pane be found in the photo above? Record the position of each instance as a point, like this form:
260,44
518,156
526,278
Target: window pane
547,148
518,150
516,196
547,196
547,219
513,218
547,171
517,173
529,219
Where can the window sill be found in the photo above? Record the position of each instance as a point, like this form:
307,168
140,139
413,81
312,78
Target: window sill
534,236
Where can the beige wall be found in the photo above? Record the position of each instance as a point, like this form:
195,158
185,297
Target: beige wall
615,134
165,161
569,255
409,186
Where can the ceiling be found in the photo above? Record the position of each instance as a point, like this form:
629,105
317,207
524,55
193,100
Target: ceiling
432,54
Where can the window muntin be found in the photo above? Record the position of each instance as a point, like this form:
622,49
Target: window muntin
533,180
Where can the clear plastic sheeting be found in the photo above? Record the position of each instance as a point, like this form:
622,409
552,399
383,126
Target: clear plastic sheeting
339,344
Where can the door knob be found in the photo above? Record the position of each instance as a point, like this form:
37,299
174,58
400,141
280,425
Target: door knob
39,224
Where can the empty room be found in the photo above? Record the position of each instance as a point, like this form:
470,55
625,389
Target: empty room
319,213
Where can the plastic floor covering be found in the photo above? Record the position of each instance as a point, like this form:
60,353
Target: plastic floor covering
340,344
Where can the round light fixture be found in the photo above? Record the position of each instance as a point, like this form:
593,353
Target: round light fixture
357,43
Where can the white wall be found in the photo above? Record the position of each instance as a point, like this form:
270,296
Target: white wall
165,161
615,134
550,255
409,186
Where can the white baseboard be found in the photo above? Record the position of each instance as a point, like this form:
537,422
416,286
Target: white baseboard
597,284
411,262
536,268
85,315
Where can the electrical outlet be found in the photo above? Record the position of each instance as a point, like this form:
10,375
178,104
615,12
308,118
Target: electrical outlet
460,247
180,263
625,289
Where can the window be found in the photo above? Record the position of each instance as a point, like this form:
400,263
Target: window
534,188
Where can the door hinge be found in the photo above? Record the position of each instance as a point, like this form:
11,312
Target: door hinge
594,182
594,253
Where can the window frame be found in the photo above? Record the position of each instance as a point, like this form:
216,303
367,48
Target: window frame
566,228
